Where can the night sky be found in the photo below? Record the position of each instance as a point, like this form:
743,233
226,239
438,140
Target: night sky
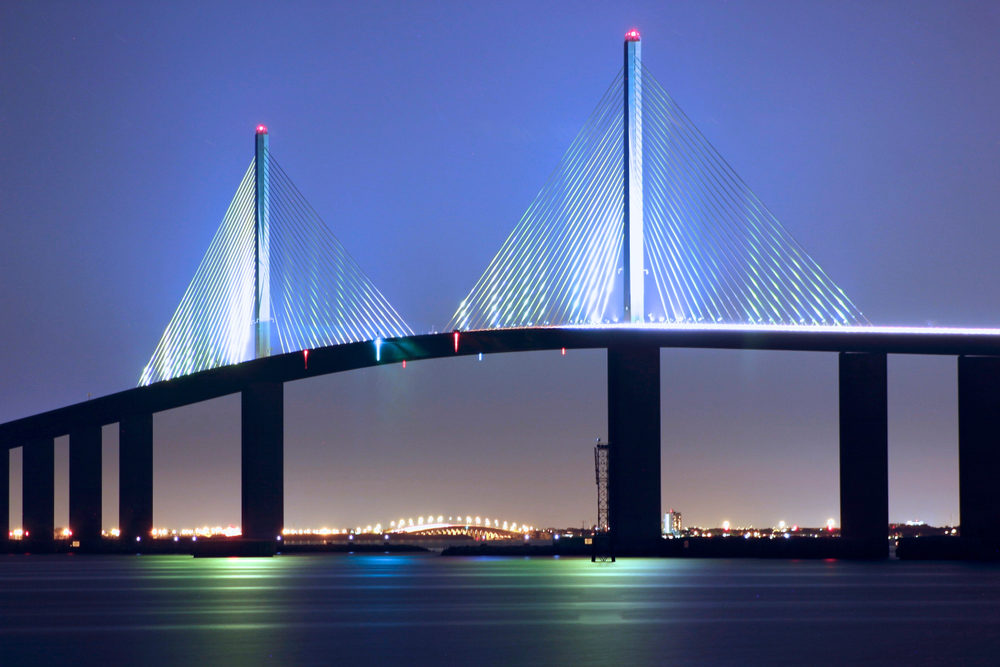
421,132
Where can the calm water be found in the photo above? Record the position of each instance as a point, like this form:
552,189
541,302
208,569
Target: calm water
326,609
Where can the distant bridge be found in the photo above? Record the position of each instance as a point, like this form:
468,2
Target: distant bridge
477,531
643,238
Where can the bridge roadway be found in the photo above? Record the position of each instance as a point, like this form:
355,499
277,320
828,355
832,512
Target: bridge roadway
633,422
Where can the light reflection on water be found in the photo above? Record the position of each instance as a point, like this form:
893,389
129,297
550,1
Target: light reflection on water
425,609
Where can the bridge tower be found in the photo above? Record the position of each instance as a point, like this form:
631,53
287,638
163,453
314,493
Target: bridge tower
633,367
262,422
262,247
632,244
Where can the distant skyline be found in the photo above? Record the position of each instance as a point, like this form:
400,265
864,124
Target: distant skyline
420,133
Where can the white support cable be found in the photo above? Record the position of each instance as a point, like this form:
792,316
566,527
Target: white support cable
380,309
320,295
714,253
686,168
677,223
534,278
805,276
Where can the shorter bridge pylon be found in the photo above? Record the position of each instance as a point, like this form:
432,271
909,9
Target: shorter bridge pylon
274,280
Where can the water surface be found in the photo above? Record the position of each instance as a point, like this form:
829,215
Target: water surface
420,609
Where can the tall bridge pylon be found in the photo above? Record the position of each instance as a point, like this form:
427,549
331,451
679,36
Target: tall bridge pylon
274,279
644,222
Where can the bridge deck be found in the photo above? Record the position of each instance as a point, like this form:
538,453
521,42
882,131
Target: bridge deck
227,380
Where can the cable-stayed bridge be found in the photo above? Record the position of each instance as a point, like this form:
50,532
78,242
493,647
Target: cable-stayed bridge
643,237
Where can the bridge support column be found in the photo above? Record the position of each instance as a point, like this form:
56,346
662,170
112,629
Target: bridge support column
4,495
38,492
979,451
263,492
864,454
634,453
135,477
85,484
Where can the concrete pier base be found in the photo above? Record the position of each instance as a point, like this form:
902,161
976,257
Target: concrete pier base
634,452
263,494
38,493
135,477
864,454
85,473
4,495
979,453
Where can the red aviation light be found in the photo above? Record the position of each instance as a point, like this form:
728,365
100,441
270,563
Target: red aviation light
632,35
455,336
262,129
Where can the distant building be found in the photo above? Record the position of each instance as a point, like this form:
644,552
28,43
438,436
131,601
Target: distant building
672,523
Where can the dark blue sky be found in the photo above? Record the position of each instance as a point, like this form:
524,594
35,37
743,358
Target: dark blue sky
420,132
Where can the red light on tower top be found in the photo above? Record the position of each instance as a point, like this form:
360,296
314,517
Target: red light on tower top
632,35
262,129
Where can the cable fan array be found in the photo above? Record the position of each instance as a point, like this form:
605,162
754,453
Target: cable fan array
319,294
713,253
560,264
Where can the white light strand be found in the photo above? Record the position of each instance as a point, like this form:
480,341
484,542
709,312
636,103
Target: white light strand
713,252
319,294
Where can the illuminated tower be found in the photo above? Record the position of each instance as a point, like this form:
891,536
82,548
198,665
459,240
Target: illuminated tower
672,523
262,248
634,274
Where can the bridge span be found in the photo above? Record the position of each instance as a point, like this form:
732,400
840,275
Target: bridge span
642,221
633,421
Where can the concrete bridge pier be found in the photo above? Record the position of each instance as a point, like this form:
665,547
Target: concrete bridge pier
864,454
135,477
38,493
634,453
4,495
263,481
979,453
85,471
